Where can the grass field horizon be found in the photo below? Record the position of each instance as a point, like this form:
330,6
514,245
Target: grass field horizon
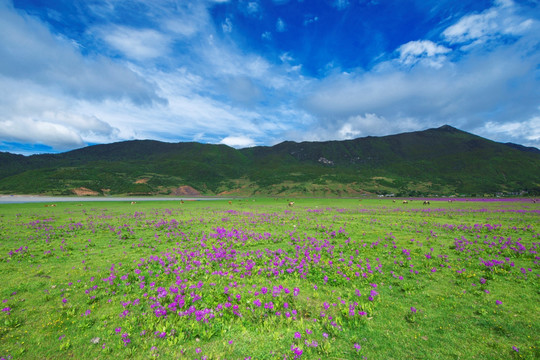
257,278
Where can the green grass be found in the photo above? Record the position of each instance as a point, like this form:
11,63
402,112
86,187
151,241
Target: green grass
328,249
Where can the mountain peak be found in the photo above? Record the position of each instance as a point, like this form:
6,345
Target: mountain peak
448,128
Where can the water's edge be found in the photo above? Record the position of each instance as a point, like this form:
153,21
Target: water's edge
19,199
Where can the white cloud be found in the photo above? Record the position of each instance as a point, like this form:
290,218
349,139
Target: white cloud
181,20
463,94
347,131
215,91
34,114
280,25
238,141
528,130
243,89
251,8
30,53
42,132
371,124
425,51
310,19
286,58
227,26
360,126
341,4
83,124
463,88
200,104
476,29
138,44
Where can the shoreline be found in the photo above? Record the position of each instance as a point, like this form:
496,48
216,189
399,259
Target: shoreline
21,199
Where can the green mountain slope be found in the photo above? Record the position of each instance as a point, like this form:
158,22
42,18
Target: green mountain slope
442,161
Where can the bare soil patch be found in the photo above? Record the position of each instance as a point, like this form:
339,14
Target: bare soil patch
185,190
82,191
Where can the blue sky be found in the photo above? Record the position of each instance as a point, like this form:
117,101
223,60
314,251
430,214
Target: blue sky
258,72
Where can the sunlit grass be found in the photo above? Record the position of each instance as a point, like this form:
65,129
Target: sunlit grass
329,279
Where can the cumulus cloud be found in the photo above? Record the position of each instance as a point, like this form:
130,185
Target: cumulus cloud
71,115
138,44
34,114
238,141
43,77
476,29
368,124
216,90
31,53
463,87
371,124
183,78
426,51
514,131
29,130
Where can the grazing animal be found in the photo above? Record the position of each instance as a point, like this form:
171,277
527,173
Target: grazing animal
230,202
182,201
405,202
426,202
291,203
133,202
393,201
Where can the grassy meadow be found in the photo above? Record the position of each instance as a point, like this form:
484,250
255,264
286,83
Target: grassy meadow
259,279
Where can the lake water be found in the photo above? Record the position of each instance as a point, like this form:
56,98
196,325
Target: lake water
19,199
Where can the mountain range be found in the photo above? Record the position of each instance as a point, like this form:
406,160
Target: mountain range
436,162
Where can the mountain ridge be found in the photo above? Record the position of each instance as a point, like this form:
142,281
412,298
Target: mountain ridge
438,161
